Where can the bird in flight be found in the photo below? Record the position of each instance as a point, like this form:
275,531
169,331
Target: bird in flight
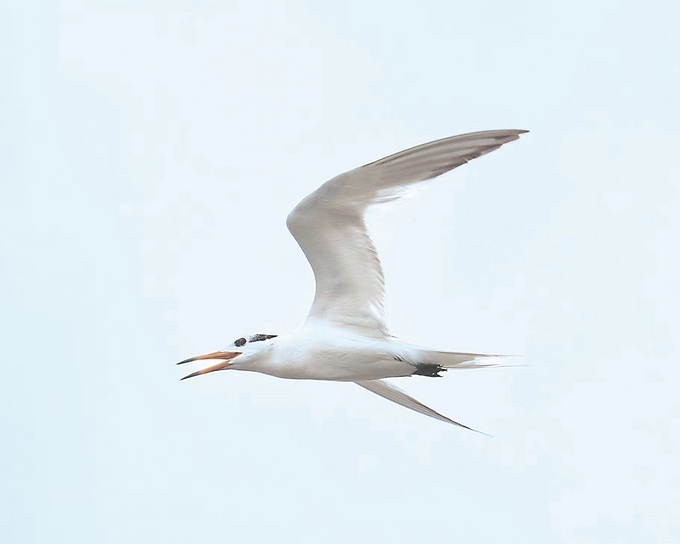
345,337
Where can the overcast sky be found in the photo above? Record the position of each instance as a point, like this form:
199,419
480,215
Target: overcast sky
150,151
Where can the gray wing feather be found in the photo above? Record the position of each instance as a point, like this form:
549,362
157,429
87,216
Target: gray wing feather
330,228
393,393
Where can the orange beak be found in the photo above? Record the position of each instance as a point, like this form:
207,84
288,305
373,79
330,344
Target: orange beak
226,357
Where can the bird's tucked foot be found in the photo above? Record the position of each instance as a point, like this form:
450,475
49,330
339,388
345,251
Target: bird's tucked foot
425,369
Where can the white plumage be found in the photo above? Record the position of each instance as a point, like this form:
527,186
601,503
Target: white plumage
345,336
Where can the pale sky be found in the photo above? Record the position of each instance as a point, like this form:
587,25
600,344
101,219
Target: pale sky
149,154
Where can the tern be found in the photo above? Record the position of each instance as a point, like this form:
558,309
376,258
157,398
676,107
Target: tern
345,336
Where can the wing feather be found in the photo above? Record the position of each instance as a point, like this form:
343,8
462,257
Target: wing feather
391,392
330,228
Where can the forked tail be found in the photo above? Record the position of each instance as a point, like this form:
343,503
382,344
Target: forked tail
432,363
451,359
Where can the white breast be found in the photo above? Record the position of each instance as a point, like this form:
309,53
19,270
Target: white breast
326,353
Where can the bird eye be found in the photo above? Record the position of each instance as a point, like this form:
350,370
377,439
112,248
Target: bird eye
240,342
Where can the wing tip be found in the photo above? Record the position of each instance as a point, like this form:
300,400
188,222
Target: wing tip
468,428
508,135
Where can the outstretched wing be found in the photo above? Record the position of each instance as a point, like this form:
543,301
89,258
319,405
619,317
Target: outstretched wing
393,393
329,225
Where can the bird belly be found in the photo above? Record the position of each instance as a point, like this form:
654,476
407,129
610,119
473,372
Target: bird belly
337,363
337,371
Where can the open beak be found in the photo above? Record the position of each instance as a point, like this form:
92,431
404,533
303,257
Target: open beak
226,357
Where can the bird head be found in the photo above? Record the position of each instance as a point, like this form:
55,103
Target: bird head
236,355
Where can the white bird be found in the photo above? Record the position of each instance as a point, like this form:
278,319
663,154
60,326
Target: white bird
345,336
